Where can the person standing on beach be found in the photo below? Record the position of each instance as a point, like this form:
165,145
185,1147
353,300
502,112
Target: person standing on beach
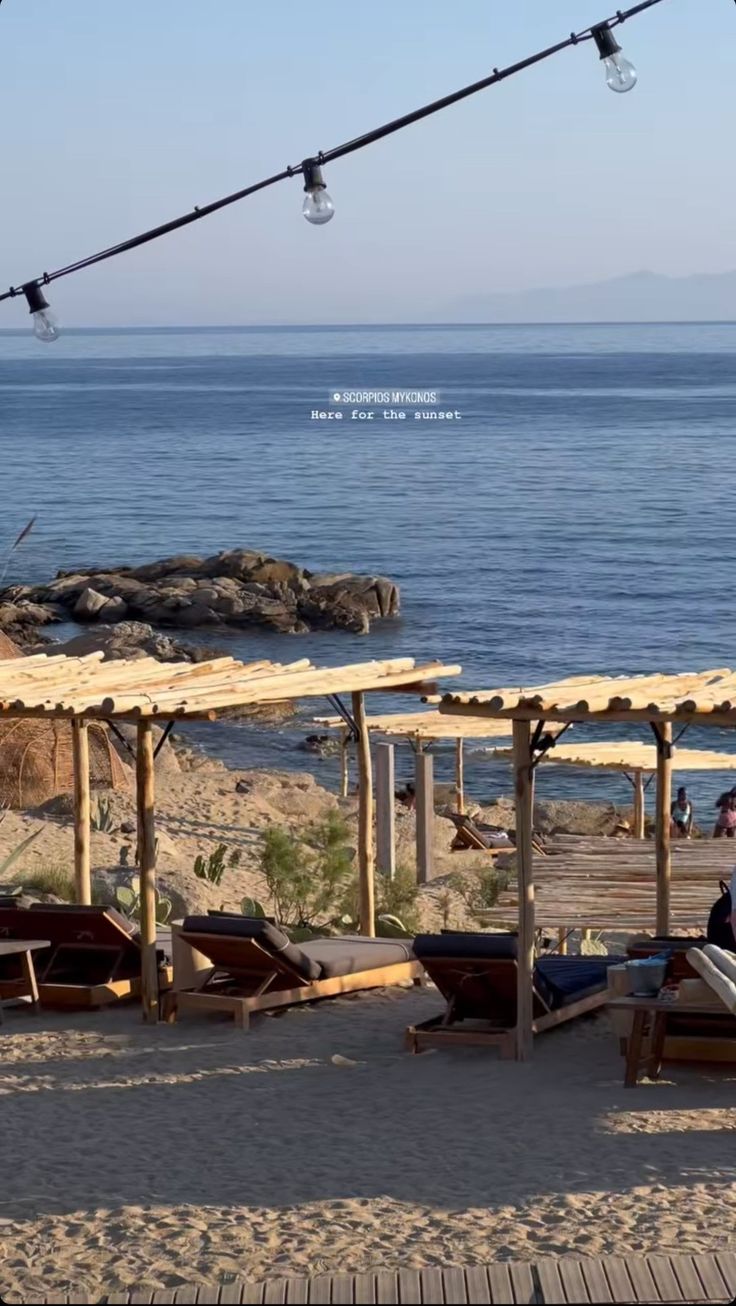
726,823
681,815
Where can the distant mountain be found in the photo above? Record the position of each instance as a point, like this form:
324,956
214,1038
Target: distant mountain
638,297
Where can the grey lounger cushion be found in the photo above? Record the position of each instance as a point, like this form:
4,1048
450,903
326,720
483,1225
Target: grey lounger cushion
349,953
269,937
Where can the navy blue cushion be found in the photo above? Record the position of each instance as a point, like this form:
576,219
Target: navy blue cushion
562,980
494,947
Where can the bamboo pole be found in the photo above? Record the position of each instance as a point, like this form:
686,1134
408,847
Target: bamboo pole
80,757
147,869
365,821
664,800
524,792
424,815
459,775
638,805
562,940
385,811
344,764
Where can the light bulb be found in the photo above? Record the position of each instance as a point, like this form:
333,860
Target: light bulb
317,207
45,323
620,73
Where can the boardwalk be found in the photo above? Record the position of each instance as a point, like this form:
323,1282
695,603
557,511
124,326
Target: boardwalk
635,1280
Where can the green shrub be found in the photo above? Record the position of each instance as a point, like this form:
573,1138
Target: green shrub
58,880
479,887
307,877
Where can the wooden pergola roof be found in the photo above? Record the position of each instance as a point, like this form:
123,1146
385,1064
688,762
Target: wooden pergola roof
708,697
59,686
426,725
628,755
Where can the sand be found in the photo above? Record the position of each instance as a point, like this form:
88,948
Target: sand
186,1154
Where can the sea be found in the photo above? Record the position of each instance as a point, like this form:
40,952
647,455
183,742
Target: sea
575,514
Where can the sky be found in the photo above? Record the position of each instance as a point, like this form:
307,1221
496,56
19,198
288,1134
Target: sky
116,117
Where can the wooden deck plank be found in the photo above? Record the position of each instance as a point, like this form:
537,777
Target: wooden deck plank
230,1294
548,1273
641,1277
410,1288
664,1277
186,1295
386,1287
432,1286
622,1289
365,1289
320,1289
253,1294
274,1292
142,1297
479,1289
595,1280
687,1278
499,1280
342,1290
455,1289
727,1266
716,1288
297,1292
522,1282
574,1284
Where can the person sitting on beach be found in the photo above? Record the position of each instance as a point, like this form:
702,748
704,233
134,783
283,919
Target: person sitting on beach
725,827
681,814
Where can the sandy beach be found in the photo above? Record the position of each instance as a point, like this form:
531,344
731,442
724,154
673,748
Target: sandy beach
189,1153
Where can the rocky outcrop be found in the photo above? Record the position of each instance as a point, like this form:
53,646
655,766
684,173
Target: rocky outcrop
236,588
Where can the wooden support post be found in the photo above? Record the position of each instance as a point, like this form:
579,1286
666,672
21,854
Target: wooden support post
147,869
524,792
664,801
638,831
366,859
385,811
459,775
80,758
424,785
344,760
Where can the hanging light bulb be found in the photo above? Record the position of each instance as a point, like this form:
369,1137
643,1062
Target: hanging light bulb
45,324
620,73
317,207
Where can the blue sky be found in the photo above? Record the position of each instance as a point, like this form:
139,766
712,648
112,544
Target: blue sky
114,117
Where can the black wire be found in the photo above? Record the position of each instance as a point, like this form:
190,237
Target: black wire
338,152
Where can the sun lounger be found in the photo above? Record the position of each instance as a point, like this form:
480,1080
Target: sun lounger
254,967
93,955
477,976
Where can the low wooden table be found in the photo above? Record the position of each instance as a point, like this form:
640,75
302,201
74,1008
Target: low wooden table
24,948
650,1016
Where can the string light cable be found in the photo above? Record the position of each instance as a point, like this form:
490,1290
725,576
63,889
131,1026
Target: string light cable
318,208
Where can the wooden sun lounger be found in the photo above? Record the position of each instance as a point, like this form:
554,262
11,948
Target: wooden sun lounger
92,957
481,995
22,950
243,975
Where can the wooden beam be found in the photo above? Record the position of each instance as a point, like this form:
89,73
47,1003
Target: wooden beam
424,787
344,764
639,811
459,775
80,758
147,869
385,810
524,795
366,887
662,836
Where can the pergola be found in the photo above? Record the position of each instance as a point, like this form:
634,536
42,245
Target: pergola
84,689
706,698
632,759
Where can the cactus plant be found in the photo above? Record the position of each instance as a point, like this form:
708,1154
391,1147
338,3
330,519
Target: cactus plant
211,868
252,907
128,898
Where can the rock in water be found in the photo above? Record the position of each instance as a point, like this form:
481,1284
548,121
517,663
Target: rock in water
238,587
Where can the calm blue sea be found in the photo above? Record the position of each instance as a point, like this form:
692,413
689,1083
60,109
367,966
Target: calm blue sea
579,516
